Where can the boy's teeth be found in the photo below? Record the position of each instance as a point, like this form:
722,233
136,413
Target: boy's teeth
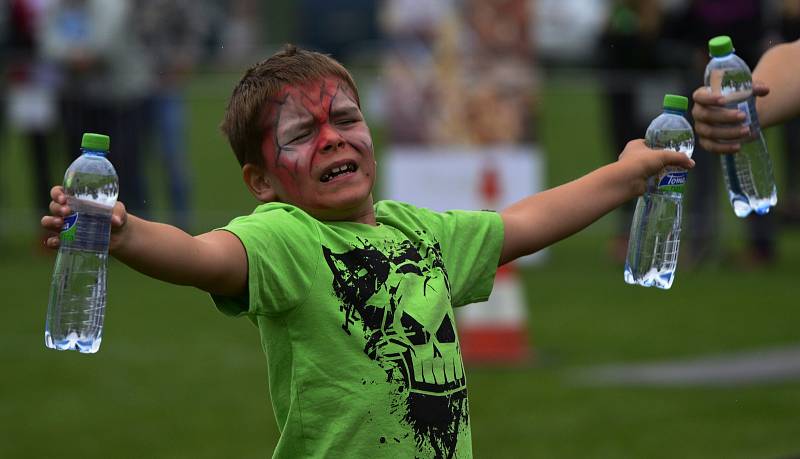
338,170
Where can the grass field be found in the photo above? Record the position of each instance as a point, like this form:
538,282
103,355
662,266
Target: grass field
176,379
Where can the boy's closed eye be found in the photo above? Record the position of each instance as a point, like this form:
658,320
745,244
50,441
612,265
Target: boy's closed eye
298,137
346,116
295,133
346,122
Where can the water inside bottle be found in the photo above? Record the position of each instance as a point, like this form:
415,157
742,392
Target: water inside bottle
748,174
655,239
79,282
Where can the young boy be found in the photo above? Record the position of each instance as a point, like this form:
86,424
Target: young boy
353,299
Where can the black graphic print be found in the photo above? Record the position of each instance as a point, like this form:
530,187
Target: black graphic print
400,297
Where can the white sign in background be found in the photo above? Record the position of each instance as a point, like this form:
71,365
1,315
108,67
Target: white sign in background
450,177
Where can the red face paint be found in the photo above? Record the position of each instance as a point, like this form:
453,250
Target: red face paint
318,150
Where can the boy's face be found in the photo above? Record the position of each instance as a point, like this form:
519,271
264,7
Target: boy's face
318,150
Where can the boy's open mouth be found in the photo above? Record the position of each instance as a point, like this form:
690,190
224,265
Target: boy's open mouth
337,171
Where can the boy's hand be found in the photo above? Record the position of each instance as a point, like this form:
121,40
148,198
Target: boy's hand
59,209
645,162
720,129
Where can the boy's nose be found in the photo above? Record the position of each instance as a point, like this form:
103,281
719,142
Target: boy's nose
331,140
333,146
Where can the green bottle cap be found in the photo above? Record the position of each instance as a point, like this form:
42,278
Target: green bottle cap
720,46
97,142
673,102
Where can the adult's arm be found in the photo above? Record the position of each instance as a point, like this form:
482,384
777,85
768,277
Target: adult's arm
777,70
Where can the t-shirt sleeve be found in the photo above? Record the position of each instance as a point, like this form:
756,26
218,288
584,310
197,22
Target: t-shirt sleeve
282,249
471,244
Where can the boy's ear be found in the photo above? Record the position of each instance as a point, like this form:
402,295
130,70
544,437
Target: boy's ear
255,177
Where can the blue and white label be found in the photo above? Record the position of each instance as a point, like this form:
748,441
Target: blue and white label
673,181
69,222
744,107
70,227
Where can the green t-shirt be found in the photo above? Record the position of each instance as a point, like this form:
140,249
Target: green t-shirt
357,325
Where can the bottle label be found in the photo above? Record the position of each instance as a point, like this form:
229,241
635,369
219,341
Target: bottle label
91,235
744,107
70,228
672,181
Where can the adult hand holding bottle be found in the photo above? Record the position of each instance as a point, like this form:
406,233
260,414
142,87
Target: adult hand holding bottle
777,89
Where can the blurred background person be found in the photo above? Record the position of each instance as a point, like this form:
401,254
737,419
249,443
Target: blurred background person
29,97
628,54
238,38
106,80
411,28
173,33
345,29
499,73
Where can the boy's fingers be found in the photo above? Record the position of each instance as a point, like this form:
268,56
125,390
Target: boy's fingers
635,143
632,144
679,159
52,242
52,223
55,208
57,194
59,209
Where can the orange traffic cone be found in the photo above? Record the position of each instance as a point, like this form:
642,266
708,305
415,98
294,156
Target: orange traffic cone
496,331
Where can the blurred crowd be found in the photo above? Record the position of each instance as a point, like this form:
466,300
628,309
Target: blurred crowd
459,73
453,72
116,67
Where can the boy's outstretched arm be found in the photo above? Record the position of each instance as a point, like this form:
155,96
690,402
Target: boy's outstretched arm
547,217
215,262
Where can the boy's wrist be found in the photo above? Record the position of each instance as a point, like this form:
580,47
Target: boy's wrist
630,177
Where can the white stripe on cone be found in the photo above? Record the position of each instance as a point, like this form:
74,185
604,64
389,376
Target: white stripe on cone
496,330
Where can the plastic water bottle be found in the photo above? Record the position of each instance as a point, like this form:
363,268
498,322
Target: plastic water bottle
78,291
748,173
655,231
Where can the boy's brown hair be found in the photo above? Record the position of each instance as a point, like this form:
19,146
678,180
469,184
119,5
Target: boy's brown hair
244,124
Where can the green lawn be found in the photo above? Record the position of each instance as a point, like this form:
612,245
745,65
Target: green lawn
176,379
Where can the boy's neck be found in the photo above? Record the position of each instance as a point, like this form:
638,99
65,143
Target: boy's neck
366,219
364,214
363,219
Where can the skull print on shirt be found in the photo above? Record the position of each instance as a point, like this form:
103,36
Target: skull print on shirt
400,295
